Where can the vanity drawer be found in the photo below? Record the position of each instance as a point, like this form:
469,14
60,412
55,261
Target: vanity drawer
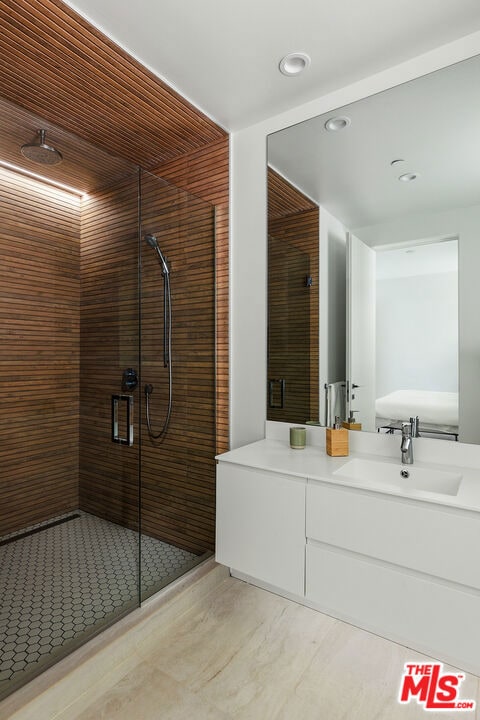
429,538
414,610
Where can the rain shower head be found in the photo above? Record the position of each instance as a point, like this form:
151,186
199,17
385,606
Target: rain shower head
41,153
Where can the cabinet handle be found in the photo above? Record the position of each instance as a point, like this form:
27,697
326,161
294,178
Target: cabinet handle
127,438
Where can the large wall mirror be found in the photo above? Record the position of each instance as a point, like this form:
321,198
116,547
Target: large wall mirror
374,261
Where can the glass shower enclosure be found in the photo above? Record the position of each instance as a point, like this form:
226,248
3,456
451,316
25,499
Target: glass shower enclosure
96,512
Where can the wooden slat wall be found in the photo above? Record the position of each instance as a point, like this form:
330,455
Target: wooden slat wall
205,173
57,65
108,344
178,471
293,220
39,334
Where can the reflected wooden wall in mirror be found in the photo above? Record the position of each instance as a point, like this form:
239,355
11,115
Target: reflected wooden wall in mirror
399,175
293,339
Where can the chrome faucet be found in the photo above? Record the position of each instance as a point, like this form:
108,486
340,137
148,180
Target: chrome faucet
407,444
415,423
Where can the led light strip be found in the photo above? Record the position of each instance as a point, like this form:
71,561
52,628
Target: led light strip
36,176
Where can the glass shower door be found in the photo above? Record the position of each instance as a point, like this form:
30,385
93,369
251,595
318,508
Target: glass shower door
178,363
69,543
72,572
110,397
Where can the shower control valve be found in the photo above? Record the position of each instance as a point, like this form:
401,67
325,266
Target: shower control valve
129,379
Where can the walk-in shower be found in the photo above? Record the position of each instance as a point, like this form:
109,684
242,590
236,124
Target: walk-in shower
90,526
167,342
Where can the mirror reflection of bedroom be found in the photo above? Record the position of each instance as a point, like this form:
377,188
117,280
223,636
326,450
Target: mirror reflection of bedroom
395,178
416,343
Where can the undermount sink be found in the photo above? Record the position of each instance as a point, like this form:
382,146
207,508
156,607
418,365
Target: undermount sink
389,475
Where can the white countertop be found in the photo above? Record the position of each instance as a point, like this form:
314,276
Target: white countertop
314,464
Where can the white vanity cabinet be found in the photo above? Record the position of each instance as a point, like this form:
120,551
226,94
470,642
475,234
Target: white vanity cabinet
399,564
261,525
399,568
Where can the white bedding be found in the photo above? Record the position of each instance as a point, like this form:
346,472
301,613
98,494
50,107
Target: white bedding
434,408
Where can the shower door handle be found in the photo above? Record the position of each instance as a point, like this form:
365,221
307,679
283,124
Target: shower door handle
122,405
271,393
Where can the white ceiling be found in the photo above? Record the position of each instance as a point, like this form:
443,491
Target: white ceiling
414,260
223,55
432,123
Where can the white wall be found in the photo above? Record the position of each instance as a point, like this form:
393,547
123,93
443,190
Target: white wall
465,224
332,299
248,287
417,333
248,249
469,325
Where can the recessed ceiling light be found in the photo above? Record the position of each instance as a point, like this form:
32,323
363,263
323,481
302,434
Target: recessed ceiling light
398,160
337,123
294,63
408,177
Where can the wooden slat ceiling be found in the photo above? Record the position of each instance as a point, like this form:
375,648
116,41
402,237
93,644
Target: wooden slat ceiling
284,199
83,167
57,65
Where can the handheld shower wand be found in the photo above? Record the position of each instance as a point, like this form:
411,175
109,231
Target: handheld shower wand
167,339
152,241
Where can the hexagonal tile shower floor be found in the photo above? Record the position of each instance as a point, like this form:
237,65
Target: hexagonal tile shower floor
64,580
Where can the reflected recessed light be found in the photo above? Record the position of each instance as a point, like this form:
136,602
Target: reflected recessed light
294,63
408,177
337,123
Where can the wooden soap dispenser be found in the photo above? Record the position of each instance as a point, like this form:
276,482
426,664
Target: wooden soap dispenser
337,440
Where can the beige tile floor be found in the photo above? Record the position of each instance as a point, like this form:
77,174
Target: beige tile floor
244,653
